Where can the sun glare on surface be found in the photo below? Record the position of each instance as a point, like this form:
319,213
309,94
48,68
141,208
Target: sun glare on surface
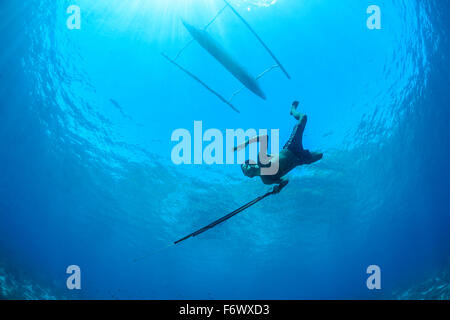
159,19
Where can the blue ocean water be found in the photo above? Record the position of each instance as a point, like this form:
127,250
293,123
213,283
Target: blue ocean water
86,118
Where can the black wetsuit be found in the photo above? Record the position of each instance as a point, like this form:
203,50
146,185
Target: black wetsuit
291,156
295,143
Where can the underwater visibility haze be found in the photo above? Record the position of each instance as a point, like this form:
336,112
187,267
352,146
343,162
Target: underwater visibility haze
87,179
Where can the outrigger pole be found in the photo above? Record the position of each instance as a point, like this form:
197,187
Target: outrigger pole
259,39
202,83
223,57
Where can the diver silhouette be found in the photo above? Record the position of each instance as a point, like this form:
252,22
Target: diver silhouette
291,156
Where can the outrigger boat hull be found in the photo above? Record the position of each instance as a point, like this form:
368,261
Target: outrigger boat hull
222,56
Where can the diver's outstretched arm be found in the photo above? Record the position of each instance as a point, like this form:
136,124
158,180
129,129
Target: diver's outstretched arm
250,141
295,113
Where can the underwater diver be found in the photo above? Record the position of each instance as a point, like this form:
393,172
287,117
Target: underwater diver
291,156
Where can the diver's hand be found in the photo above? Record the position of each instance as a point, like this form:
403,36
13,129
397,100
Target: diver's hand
239,147
277,189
